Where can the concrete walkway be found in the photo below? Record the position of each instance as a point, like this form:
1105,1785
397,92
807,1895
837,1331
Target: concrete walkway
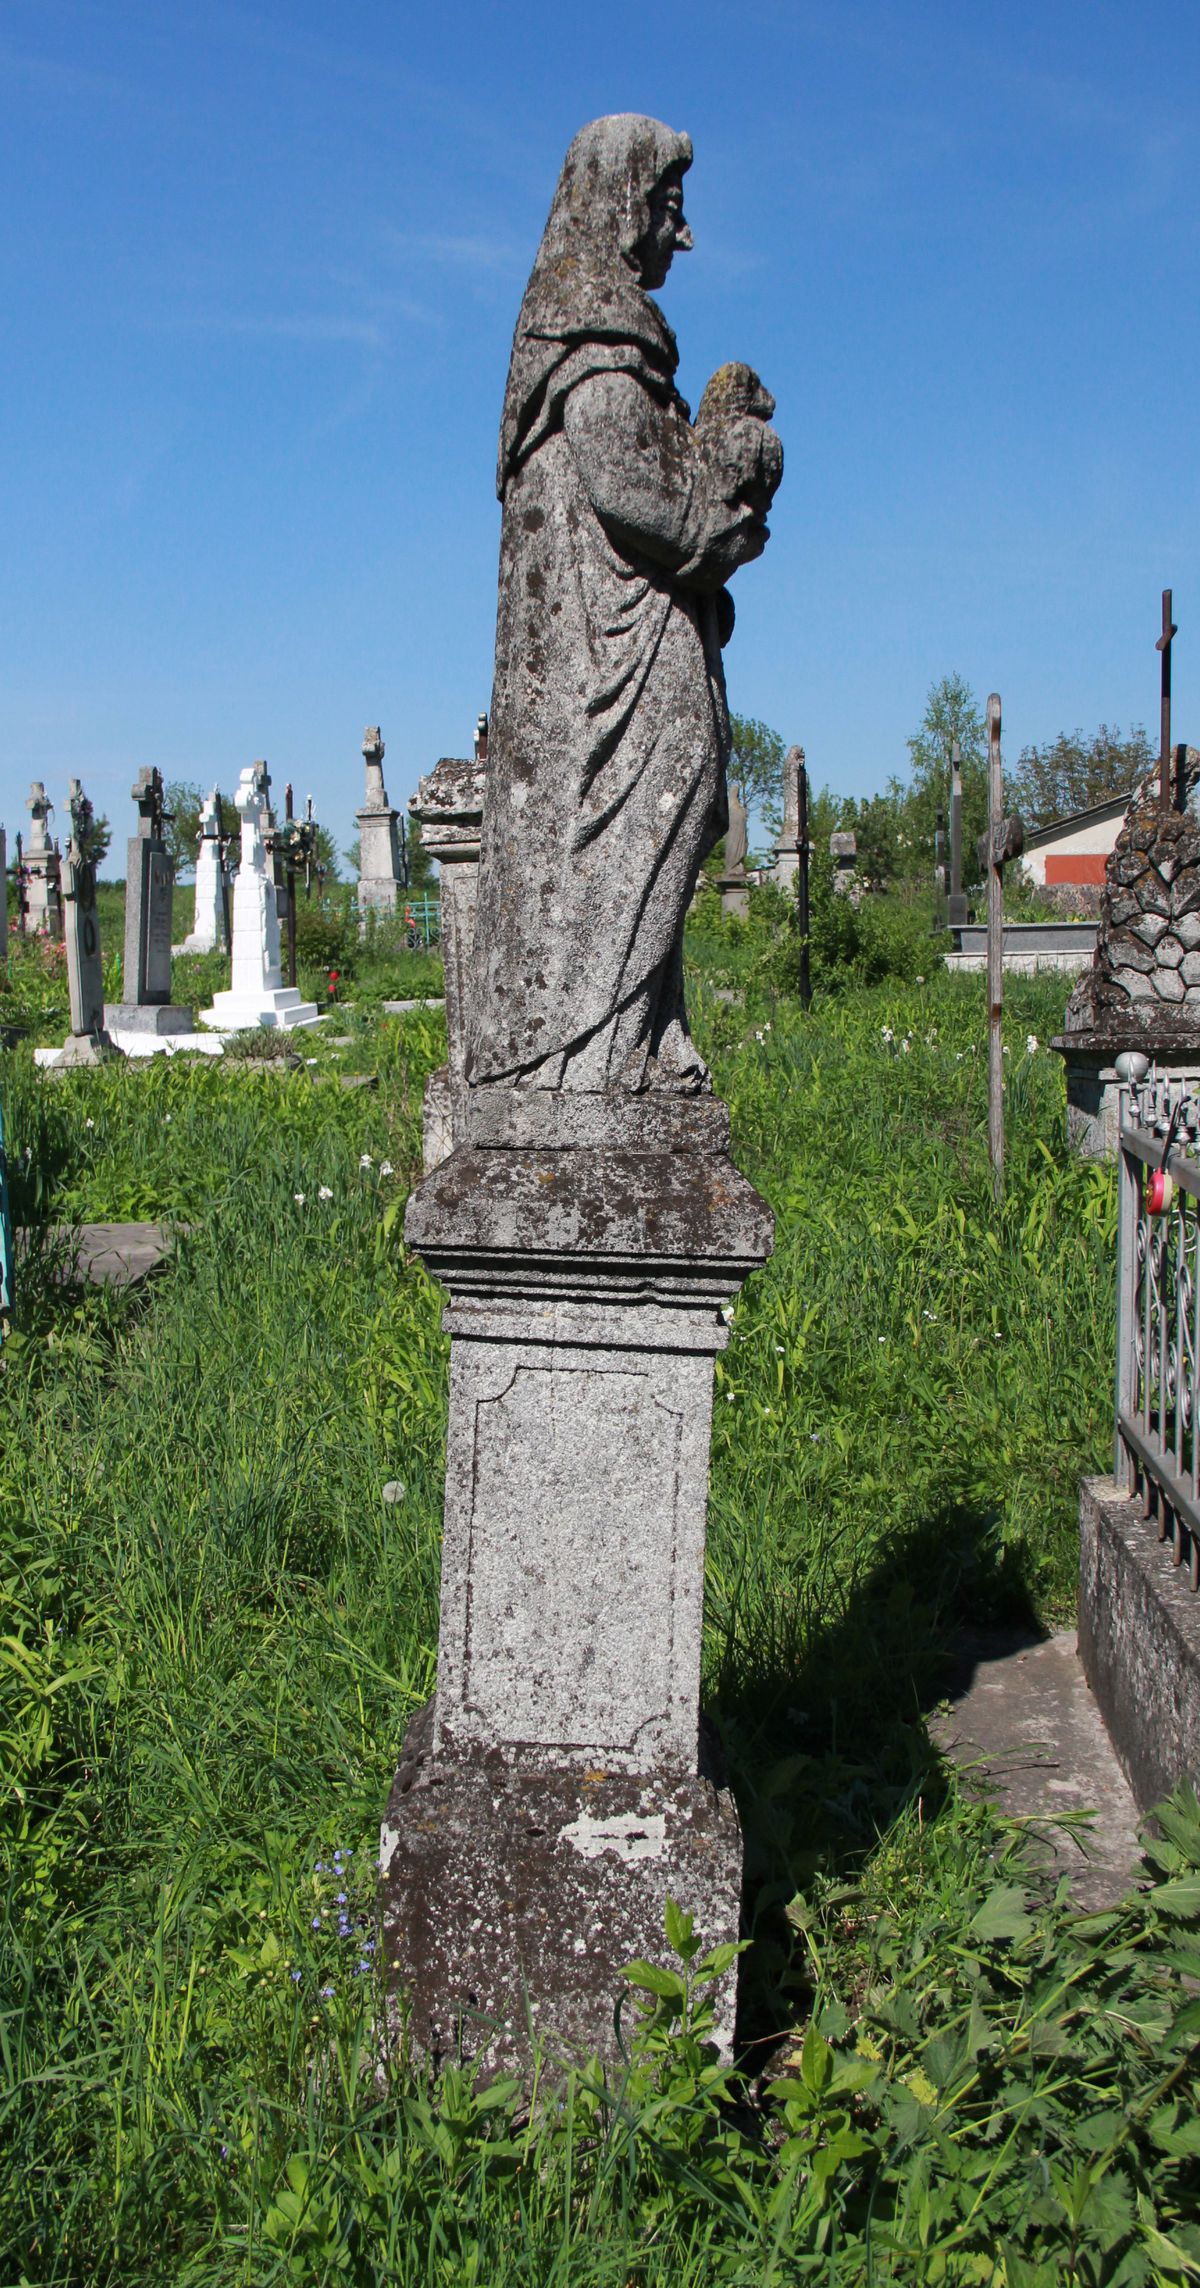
1022,1716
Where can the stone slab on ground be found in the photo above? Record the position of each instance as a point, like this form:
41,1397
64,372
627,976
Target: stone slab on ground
402,1008
1139,1641
138,1046
113,1254
1022,1713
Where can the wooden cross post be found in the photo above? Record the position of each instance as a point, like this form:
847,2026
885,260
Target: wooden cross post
1004,839
22,879
995,952
803,912
223,872
1169,631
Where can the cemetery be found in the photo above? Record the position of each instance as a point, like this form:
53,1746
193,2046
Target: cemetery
600,1451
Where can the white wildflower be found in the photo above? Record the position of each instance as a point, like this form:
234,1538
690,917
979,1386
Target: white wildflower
89,1124
1031,1044
299,1199
905,1045
727,1314
887,1033
920,981
779,1350
365,1160
386,1168
324,1193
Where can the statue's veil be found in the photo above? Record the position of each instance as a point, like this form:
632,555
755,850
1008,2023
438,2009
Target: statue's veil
581,288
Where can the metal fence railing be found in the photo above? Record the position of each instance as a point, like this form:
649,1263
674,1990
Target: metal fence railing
1158,1306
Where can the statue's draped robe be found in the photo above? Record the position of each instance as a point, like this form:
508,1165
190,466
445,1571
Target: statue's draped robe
609,731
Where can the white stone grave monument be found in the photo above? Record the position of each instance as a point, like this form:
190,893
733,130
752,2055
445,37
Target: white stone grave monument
207,933
257,995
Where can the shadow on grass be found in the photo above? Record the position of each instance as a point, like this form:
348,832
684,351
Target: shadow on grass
820,1697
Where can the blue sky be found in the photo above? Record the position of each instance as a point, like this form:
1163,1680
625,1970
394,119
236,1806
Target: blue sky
259,275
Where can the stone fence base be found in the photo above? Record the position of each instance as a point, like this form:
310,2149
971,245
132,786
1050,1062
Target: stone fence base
1093,1088
1139,1641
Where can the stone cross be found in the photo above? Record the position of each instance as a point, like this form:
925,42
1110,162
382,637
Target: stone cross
85,970
43,870
379,867
149,882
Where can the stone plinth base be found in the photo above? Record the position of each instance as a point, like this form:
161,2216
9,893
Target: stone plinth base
1093,1088
735,893
1139,1641
512,1900
280,1008
86,1049
147,1017
555,1795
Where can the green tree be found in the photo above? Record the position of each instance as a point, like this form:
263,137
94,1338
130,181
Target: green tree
182,801
327,854
756,765
951,712
1072,773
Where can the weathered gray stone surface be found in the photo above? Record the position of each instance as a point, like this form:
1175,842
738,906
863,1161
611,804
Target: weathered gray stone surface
558,1876
609,729
592,1224
1139,1641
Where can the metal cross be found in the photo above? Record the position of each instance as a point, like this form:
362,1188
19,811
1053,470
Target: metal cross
1169,630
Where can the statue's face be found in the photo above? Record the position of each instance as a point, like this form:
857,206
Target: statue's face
668,233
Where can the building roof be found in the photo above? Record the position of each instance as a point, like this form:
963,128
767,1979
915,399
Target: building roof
1099,813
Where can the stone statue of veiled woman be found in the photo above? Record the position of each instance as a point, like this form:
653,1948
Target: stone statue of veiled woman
622,522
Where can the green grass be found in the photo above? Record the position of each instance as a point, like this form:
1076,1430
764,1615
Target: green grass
214,1631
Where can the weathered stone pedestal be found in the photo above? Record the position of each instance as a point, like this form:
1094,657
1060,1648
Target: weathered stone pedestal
448,807
556,1790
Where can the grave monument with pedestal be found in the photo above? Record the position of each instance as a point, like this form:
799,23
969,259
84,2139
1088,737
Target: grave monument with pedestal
560,1787
209,930
448,807
731,881
89,1042
43,869
788,851
145,1006
257,994
378,848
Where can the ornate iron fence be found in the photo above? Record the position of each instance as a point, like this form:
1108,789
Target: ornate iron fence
1158,1306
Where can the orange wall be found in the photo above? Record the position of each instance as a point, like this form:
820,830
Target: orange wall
1075,866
